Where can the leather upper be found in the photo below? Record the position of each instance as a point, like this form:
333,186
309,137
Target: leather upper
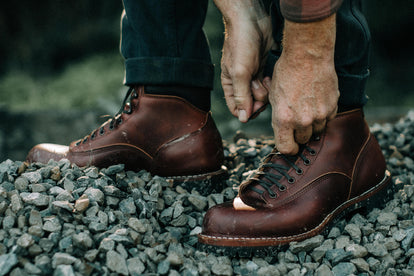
163,134
345,161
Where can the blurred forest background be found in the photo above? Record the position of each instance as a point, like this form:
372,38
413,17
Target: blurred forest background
60,68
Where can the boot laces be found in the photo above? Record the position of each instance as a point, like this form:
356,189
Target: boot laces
114,120
273,179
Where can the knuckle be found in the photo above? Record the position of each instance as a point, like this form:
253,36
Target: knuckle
240,71
224,74
240,99
321,112
283,118
305,121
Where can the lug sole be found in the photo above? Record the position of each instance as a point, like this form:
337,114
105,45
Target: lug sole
376,197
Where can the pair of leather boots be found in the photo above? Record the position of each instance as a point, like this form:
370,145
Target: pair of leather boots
289,198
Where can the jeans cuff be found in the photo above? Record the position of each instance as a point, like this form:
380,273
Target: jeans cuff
168,71
352,89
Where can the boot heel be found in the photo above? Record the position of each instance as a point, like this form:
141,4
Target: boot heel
379,199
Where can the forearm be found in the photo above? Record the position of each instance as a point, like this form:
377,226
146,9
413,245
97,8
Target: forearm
314,41
304,89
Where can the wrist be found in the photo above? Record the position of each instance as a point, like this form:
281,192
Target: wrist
314,41
240,11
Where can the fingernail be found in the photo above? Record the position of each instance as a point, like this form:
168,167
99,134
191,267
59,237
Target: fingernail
242,116
255,84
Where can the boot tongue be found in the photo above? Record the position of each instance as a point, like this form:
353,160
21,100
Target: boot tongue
252,192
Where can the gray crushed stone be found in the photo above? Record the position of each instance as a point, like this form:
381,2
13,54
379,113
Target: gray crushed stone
59,219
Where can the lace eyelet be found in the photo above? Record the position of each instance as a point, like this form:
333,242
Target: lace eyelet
272,195
291,180
129,110
282,188
101,131
306,162
317,138
312,152
78,143
111,126
299,171
119,121
85,140
134,95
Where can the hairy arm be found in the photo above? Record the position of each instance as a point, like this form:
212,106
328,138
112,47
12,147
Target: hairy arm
304,87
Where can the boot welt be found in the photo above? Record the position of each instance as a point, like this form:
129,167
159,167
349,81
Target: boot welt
206,183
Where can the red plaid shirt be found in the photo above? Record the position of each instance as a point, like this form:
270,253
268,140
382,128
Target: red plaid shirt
308,10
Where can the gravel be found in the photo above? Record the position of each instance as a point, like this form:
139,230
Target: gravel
58,219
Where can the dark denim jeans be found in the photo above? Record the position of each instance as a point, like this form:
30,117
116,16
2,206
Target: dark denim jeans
163,44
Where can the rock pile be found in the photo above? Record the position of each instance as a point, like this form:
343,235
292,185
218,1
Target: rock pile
58,219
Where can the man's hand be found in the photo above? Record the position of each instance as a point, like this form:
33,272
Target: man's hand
248,39
304,88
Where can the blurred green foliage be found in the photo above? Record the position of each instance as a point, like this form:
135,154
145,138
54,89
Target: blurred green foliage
42,37
82,85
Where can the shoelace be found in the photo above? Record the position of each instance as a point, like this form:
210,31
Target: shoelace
274,179
115,119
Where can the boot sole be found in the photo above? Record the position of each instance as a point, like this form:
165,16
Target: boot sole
205,184
270,246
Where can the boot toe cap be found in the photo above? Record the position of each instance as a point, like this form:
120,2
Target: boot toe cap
42,153
223,221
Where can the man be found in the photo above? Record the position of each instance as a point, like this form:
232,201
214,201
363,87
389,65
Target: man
324,163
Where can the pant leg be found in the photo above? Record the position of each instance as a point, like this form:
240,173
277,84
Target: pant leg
352,50
163,43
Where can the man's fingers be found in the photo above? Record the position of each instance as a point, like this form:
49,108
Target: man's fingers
242,95
259,91
258,108
236,103
303,135
260,98
333,113
243,107
228,94
319,126
285,142
267,83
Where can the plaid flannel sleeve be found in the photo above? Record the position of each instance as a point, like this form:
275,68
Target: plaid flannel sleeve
308,10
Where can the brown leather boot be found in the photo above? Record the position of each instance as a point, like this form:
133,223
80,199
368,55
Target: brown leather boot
165,135
292,198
